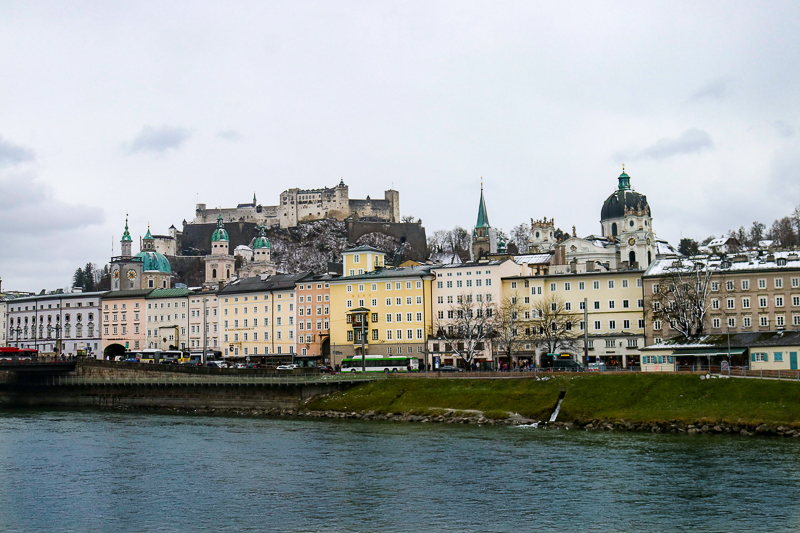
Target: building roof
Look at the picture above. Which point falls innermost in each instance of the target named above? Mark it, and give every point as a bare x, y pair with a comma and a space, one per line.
738, 263
623, 198
56, 296
169, 293
153, 261
116, 295
388, 273
267, 283
363, 248
533, 259
470, 264
737, 340
446, 258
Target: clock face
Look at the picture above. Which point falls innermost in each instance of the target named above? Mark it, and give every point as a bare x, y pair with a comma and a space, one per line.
131, 274
631, 241
116, 274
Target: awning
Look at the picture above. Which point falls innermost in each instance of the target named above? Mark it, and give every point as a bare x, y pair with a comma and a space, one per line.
706, 352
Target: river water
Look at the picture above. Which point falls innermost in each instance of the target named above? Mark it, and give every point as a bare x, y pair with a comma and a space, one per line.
88, 471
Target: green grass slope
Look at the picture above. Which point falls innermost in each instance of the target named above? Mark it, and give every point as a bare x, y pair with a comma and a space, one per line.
634, 397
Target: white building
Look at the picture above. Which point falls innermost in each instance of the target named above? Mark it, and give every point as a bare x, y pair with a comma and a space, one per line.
204, 302
58, 322
167, 313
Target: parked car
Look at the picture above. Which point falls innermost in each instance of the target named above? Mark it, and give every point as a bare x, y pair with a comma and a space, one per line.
217, 364
169, 360
450, 368
240, 365
326, 369
192, 363
253, 365
130, 360
287, 367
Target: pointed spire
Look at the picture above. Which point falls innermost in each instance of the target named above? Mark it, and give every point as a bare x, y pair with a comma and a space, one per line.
126, 236
254, 198
483, 216
148, 235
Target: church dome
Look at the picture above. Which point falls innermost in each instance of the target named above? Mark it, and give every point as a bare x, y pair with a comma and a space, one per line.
623, 199
220, 234
261, 241
154, 261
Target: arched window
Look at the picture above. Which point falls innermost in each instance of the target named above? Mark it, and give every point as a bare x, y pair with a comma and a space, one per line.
649, 258
213, 273
614, 229
632, 257
228, 273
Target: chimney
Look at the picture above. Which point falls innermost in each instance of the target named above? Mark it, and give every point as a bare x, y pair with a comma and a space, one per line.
589, 266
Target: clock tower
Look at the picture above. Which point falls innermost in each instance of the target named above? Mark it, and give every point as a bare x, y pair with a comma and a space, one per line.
219, 264
126, 271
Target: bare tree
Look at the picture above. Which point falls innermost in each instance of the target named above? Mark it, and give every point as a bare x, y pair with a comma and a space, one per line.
556, 326
468, 326
521, 235
686, 293
514, 327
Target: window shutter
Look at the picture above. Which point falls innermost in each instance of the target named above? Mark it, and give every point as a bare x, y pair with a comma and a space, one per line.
753, 357
660, 359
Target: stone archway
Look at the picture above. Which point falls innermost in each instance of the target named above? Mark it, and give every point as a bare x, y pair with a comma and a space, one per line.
113, 350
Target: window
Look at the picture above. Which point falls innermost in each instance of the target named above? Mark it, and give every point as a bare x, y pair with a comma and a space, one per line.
779, 301
760, 357
656, 324
745, 303
567, 306
762, 301
729, 285
777, 356
596, 285
612, 324
745, 284
746, 322
731, 322
641, 323
626, 324
388, 317
611, 284
762, 284
611, 304
796, 320
795, 282
610, 343
567, 286
715, 323
780, 320
596, 324
581, 285
552, 287
778, 283
731, 303
764, 321
655, 288
597, 305
625, 304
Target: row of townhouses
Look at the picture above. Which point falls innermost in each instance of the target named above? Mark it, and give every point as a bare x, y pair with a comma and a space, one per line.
612, 298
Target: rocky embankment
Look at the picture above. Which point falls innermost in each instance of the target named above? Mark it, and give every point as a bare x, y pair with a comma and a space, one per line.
476, 417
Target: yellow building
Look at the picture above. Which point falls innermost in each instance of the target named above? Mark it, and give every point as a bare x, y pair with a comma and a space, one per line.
397, 302
258, 317
615, 310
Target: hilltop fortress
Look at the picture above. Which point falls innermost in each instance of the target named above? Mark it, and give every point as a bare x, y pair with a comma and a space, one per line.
301, 205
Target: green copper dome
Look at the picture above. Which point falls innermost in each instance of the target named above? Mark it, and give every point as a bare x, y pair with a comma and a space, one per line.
261, 240
154, 261
219, 234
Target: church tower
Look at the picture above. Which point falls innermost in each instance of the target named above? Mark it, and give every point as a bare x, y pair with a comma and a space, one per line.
220, 264
481, 239
626, 219
262, 258
126, 242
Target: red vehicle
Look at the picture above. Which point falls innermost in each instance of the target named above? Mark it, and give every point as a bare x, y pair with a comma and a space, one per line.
18, 354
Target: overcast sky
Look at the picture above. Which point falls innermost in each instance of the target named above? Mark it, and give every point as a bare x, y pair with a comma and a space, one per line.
150, 107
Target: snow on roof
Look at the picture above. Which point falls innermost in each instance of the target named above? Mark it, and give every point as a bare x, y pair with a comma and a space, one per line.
742, 262
533, 259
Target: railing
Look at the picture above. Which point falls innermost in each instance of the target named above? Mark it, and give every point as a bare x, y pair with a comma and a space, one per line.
171, 380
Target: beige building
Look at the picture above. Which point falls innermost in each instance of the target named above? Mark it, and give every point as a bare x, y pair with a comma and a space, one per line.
258, 317
613, 305
748, 293
167, 319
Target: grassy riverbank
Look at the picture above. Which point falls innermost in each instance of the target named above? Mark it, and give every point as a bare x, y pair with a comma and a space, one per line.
632, 397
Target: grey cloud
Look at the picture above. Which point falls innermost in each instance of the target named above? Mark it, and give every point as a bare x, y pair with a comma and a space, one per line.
230, 135
783, 128
714, 90
12, 154
690, 141
158, 139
